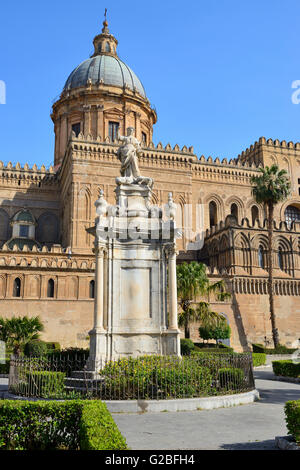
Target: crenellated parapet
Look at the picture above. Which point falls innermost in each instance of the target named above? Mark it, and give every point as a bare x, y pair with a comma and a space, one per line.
253, 154
26, 174
257, 224
234, 248
52, 258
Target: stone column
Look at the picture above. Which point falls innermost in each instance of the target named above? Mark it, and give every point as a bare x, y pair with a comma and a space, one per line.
99, 294
173, 319
100, 129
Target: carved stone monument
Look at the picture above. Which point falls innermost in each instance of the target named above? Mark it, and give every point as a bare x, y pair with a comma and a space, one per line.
136, 294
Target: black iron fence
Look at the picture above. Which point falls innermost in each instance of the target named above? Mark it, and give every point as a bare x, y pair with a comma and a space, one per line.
147, 377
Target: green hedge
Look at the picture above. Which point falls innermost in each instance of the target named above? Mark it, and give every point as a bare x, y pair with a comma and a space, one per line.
259, 359
214, 350
186, 346
150, 377
70, 425
292, 418
259, 348
207, 346
286, 368
231, 378
4, 368
36, 348
41, 384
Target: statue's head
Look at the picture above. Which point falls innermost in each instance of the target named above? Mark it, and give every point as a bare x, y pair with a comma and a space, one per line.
130, 131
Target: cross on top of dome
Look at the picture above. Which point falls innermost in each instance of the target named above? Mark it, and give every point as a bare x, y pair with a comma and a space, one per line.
105, 43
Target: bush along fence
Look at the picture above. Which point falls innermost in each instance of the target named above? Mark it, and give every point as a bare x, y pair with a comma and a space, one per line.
286, 368
67, 425
147, 377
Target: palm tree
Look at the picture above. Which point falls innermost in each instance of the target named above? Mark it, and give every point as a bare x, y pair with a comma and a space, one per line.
20, 331
192, 281
270, 187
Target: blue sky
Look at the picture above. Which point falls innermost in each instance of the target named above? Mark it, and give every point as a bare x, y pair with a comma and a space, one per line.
218, 72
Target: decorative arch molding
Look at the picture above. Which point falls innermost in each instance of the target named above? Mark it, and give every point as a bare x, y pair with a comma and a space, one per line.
238, 201
84, 204
219, 203
259, 239
48, 228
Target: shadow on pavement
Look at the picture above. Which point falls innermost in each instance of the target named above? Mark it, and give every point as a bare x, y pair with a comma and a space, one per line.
261, 445
279, 396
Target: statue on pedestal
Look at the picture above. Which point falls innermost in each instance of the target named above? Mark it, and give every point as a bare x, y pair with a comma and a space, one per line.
128, 154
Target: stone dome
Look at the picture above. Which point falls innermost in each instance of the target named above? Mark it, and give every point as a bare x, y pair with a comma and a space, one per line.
106, 69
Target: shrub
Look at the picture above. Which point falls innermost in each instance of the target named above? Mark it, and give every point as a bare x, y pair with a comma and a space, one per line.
71, 425
70, 353
208, 346
231, 378
259, 348
186, 346
44, 384
155, 377
53, 346
4, 368
292, 418
36, 348
286, 368
258, 359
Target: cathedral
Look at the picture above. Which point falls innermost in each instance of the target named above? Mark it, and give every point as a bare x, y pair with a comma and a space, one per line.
46, 257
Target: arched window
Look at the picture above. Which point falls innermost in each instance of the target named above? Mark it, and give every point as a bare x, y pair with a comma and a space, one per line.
234, 211
17, 287
50, 288
92, 289
107, 47
212, 214
292, 214
261, 258
254, 214
280, 258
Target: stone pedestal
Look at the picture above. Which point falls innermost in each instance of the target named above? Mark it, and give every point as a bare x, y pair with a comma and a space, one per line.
136, 295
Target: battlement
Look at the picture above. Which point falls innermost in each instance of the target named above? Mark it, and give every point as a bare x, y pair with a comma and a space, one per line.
231, 222
270, 143
27, 173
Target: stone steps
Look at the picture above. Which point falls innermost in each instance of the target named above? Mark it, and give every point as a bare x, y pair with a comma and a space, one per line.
82, 374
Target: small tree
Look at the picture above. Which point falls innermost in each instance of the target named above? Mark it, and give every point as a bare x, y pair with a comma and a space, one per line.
18, 331
192, 281
218, 331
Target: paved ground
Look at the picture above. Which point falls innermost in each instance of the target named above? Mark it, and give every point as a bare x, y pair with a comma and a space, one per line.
242, 427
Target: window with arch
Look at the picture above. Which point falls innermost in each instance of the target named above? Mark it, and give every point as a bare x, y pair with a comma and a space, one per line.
254, 214
92, 289
292, 214
17, 287
280, 258
50, 288
261, 257
212, 214
234, 210
107, 47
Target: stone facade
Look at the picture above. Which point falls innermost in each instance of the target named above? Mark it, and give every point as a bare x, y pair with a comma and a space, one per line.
48, 269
